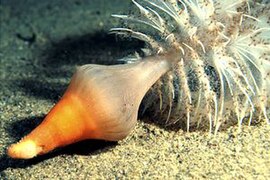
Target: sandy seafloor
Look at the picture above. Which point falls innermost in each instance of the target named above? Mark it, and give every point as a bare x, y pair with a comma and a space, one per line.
41, 44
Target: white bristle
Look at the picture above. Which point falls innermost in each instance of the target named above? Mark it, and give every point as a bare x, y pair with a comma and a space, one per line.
224, 50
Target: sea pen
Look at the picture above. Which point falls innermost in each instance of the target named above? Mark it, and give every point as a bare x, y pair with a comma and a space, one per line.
216, 59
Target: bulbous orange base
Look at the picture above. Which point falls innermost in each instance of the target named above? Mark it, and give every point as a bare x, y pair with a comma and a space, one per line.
101, 102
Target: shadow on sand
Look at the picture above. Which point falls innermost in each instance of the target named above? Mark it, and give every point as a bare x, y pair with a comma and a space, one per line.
59, 59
